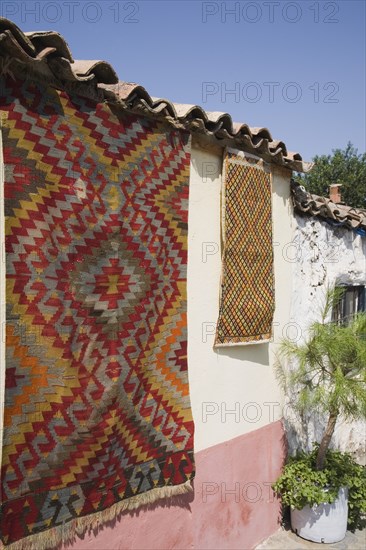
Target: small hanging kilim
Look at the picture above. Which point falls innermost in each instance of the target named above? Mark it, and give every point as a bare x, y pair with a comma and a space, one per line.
97, 410
247, 285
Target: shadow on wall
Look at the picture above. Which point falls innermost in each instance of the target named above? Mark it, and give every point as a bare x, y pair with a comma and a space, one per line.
254, 353
282, 187
209, 165
181, 501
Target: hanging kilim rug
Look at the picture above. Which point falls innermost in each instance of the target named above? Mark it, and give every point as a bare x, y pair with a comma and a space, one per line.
97, 411
247, 286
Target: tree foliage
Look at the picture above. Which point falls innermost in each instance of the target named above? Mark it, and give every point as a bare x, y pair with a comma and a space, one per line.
345, 166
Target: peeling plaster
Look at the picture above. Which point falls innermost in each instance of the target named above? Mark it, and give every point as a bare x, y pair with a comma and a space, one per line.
326, 255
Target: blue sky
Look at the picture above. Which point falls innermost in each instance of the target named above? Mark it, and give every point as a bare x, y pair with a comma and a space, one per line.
297, 68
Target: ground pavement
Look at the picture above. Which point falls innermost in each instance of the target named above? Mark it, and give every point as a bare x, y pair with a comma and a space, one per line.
285, 539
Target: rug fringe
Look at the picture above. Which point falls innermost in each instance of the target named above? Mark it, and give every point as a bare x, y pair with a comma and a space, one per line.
65, 534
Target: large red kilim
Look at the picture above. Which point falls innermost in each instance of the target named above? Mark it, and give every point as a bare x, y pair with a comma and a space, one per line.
97, 411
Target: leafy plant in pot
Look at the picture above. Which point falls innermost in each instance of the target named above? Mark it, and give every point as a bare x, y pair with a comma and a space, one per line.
327, 377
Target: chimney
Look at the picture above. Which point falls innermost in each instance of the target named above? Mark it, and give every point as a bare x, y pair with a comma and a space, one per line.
335, 192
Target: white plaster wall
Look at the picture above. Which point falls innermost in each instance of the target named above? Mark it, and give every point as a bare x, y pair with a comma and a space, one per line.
325, 255
238, 379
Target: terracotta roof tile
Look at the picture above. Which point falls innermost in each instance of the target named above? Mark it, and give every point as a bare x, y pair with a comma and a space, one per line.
48, 56
322, 207
43, 39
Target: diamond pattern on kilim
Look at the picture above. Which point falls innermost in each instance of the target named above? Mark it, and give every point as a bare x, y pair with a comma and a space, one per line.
247, 286
97, 407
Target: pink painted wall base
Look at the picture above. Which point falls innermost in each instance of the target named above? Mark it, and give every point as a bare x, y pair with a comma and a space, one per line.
233, 505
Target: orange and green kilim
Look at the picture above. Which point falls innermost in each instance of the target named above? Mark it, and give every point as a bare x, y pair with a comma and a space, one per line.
247, 285
97, 407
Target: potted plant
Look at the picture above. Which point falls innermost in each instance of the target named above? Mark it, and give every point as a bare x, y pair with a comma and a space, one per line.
328, 377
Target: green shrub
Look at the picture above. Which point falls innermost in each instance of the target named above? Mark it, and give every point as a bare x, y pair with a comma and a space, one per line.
301, 484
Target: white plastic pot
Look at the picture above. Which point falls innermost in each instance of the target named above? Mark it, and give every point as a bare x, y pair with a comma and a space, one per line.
323, 522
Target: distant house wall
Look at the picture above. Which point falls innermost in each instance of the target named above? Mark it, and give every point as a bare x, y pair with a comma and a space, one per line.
324, 255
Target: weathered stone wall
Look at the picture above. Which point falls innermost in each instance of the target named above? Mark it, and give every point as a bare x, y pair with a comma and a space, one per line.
323, 254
